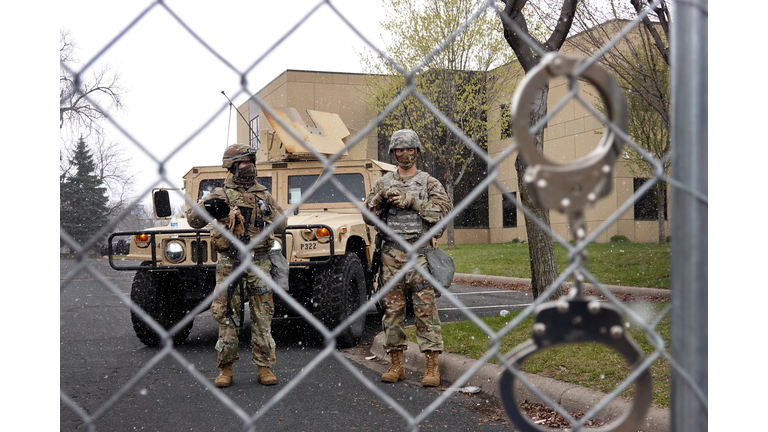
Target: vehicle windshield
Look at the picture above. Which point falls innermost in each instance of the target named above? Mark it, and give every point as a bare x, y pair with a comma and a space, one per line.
299, 185
207, 186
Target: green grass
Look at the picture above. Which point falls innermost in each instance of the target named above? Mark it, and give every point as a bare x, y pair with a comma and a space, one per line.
628, 264
589, 365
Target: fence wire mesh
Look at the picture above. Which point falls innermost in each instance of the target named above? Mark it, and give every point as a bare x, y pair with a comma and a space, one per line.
689, 197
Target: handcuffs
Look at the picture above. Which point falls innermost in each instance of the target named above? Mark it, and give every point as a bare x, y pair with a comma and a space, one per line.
572, 188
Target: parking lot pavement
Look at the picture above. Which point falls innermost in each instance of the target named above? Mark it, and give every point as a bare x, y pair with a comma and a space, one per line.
482, 301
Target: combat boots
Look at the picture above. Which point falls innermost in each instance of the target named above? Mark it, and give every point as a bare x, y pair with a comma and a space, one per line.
396, 371
431, 369
225, 376
266, 377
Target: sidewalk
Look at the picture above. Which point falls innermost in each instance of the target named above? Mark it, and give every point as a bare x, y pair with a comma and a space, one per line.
571, 396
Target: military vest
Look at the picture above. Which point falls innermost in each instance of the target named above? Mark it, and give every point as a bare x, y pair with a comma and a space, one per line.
247, 202
408, 222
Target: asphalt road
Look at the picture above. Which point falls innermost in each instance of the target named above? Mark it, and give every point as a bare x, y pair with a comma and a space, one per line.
109, 374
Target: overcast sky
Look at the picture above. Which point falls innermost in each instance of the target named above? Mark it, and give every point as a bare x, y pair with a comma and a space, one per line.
174, 83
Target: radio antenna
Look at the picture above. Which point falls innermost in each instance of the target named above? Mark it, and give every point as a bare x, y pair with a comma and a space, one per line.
247, 123
229, 124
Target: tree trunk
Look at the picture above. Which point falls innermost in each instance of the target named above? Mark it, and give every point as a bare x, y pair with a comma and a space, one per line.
661, 210
450, 232
450, 235
540, 245
541, 248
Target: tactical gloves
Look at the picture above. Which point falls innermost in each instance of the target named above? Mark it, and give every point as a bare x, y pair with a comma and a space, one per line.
379, 198
217, 208
402, 199
396, 197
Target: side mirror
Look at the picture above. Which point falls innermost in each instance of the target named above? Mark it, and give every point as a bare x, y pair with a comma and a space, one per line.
162, 203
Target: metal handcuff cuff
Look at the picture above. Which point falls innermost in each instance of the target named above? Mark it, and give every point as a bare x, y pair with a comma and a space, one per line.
572, 188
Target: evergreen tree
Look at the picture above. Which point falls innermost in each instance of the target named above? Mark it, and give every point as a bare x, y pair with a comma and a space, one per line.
83, 205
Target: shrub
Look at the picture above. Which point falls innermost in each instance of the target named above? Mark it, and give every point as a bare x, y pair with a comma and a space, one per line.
619, 239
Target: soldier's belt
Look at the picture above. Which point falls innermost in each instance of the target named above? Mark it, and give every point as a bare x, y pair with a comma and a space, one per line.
420, 251
398, 246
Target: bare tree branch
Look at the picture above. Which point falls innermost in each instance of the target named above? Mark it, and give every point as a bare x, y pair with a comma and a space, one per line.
639, 65
113, 167
557, 34
664, 17
85, 99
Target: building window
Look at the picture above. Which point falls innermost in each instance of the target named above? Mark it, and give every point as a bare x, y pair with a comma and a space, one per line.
255, 132
509, 211
475, 215
646, 206
298, 186
506, 122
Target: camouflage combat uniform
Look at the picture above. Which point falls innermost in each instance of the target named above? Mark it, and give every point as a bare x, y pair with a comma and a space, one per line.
258, 292
431, 205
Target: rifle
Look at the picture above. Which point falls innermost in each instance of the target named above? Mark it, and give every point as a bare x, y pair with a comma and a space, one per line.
239, 283
379, 241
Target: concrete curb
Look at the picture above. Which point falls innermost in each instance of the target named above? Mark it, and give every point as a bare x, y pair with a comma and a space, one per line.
616, 289
571, 396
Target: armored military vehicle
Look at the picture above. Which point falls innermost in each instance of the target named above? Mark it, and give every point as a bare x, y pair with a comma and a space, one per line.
327, 244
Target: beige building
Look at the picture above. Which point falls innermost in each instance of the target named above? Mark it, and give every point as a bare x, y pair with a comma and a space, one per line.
571, 134
340, 93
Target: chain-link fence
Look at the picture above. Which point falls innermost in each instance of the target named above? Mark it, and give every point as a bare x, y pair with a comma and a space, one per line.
688, 352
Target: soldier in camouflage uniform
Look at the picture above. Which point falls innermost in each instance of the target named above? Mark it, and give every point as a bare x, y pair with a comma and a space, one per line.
414, 201
245, 207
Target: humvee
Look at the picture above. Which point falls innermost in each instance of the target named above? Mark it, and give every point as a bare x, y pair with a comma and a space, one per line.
327, 244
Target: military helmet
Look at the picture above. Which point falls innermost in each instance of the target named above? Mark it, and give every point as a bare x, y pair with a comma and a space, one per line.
238, 153
405, 139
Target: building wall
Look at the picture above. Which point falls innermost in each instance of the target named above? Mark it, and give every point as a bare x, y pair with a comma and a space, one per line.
340, 93
469, 236
571, 134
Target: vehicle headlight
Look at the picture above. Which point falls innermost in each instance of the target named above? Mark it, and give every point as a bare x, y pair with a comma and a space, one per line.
142, 240
174, 251
308, 235
323, 235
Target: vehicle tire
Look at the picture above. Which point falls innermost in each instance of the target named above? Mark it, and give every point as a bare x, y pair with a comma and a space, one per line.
339, 290
160, 295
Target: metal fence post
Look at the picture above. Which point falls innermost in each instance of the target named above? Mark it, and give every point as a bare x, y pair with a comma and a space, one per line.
689, 247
